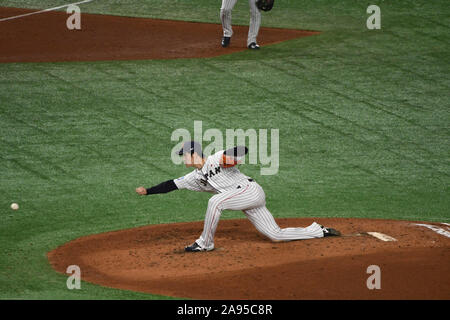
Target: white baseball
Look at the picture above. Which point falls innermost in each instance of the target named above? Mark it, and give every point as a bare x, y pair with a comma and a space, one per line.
15, 206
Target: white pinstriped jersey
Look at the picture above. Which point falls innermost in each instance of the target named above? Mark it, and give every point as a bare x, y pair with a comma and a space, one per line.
255, 19
234, 191
212, 177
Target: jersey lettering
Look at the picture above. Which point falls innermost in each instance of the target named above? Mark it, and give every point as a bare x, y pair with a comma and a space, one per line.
212, 173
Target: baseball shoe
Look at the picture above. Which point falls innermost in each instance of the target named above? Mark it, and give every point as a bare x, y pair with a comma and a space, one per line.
225, 41
195, 248
330, 232
253, 46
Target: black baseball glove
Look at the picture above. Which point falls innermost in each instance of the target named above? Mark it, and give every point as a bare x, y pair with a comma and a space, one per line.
264, 5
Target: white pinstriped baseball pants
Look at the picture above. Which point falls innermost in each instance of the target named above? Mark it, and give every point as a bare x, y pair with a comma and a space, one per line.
251, 199
255, 19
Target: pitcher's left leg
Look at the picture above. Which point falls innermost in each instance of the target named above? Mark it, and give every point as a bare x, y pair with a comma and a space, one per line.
247, 196
225, 16
255, 22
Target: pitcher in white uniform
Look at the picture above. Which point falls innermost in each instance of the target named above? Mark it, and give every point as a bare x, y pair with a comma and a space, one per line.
233, 190
255, 23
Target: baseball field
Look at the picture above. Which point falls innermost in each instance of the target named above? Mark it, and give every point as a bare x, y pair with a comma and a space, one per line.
86, 116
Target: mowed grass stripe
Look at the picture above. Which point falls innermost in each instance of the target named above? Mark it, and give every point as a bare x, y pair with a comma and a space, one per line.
21, 165
107, 101
131, 83
347, 88
321, 123
318, 80
114, 105
45, 161
370, 103
398, 61
163, 109
134, 85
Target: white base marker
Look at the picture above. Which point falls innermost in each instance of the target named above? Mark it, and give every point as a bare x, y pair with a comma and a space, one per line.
440, 231
446, 224
381, 236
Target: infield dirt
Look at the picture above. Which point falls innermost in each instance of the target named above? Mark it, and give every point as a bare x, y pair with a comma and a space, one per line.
245, 265
44, 37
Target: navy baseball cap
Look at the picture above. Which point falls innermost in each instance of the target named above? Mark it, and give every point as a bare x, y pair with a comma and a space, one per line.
191, 147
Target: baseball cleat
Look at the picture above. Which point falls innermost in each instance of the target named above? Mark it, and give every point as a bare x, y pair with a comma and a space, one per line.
253, 46
330, 232
195, 248
225, 41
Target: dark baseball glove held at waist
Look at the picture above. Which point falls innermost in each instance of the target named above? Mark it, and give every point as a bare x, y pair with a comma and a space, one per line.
264, 5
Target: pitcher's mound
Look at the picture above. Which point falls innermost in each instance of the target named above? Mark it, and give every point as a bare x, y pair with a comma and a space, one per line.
414, 262
44, 37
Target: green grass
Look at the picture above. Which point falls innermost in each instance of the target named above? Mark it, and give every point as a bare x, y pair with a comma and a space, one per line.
363, 118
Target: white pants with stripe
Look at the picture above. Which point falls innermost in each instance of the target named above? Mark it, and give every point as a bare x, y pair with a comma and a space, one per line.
255, 19
251, 199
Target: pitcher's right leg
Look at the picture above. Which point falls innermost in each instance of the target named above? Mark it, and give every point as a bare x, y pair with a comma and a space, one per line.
225, 16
